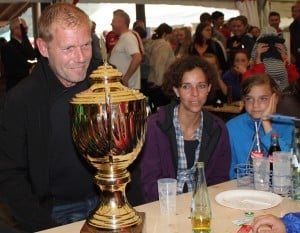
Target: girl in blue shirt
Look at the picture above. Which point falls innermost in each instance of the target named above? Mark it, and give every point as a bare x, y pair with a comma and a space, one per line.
260, 95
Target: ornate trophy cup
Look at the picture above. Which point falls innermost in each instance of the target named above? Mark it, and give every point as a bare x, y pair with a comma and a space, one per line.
108, 127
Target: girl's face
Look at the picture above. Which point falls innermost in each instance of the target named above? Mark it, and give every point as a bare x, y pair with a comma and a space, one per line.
241, 59
213, 61
258, 100
207, 33
193, 91
181, 36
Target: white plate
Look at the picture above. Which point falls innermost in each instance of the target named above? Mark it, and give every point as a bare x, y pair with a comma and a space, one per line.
248, 199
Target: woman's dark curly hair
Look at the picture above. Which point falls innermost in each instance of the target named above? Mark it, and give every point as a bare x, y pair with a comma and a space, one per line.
173, 75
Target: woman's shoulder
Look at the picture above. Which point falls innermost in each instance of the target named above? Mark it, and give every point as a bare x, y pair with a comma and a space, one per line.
213, 120
238, 121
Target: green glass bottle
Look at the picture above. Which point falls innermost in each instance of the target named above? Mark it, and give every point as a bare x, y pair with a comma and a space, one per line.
201, 210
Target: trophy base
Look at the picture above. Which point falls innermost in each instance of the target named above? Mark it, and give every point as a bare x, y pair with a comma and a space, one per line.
133, 229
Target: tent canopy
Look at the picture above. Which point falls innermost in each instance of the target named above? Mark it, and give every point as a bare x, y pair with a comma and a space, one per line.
14, 8
10, 11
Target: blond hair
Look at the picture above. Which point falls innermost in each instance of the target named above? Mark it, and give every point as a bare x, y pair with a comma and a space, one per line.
63, 14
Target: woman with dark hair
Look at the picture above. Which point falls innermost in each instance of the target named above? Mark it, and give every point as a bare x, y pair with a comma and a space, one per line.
160, 56
182, 133
184, 40
240, 39
203, 43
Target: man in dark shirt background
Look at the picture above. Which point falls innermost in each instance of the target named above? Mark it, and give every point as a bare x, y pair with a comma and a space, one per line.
295, 35
16, 53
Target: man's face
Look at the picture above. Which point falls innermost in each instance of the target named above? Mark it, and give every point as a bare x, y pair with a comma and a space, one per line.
219, 21
296, 12
117, 24
69, 53
17, 33
274, 21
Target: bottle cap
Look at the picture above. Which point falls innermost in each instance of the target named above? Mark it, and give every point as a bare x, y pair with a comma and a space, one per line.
275, 135
249, 214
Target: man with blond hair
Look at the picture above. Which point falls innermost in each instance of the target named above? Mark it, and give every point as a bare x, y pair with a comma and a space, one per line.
127, 54
44, 182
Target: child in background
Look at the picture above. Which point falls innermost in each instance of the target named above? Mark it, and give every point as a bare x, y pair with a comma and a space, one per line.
233, 76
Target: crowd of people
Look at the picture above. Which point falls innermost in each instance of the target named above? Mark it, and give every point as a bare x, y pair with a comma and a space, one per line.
179, 71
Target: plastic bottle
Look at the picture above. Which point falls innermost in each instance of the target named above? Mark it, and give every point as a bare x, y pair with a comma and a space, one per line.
201, 210
257, 150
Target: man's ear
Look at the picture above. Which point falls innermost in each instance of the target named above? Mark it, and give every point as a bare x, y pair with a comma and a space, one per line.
42, 46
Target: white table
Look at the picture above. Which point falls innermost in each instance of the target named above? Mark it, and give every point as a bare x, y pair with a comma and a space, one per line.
222, 217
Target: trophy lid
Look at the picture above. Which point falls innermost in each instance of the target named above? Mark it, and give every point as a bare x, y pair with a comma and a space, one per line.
106, 88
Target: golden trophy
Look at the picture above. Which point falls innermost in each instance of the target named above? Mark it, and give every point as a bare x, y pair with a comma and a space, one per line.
108, 127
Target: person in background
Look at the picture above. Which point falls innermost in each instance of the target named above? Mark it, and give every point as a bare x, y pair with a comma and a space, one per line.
218, 90
274, 21
44, 181
217, 22
139, 23
260, 95
184, 40
227, 29
203, 42
240, 39
205, 18
269, 55
295, 35
289, 223
255, 32
182, 133
16, 53
144, 67
3, 42
160, 56
127, 54
289, 103
96, 52
111, 40
233, 76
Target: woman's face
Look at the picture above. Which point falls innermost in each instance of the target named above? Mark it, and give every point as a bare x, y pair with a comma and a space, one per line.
193, 91
241, 59
238, 28
207, 33
258, 100
181, 36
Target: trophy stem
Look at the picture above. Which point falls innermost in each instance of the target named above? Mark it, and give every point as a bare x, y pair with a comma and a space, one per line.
114, 212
